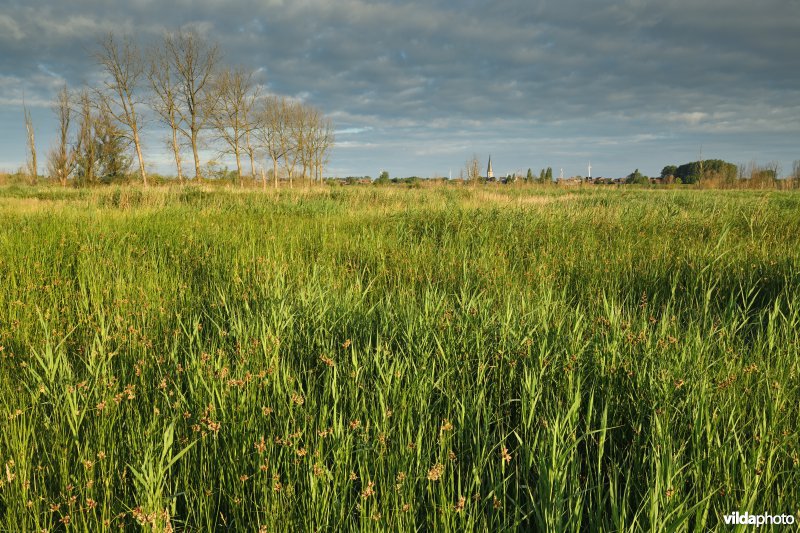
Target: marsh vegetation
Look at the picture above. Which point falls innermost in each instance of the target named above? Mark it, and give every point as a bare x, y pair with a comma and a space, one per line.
382, 358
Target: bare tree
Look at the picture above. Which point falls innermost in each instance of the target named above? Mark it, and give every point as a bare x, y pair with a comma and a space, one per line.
793, 180
293, 134
250, 120
773, 168
268, 124
701, 167
194, 62
31, 163
165, 102
288, 138
85, 151
324, 142
249, 145
313, 138
301, 126
473, 169
125, 67
231, 118
61, 158
320, 141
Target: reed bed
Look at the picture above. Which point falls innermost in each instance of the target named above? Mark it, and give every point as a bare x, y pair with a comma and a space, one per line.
365, 358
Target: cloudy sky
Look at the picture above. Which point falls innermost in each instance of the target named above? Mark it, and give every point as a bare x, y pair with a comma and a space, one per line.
418, 87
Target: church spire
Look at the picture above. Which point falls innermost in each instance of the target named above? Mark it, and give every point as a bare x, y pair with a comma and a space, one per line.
489, 171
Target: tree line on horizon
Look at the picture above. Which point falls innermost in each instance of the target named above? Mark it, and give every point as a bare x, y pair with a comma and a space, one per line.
200, 101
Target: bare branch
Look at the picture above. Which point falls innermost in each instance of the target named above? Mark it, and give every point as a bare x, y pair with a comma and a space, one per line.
230, 118
194, 62
60, 159
163, 82
125, 69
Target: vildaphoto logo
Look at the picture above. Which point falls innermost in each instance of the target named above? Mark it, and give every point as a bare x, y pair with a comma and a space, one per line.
758, 520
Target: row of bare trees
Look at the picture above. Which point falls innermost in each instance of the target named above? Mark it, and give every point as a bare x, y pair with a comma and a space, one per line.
198, 100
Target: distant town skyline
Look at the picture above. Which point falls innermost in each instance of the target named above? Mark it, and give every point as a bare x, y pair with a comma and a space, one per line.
419, 87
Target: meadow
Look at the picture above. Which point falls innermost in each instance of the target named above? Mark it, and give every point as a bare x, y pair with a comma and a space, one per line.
368, 358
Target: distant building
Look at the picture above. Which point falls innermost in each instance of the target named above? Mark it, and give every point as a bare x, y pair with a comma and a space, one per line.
569, 182
489, 171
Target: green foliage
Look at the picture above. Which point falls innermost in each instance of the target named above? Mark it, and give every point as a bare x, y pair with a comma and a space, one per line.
637, 178
411, 181
694, 172
669, 170
113, 159
214, 170
383, 179
361, 358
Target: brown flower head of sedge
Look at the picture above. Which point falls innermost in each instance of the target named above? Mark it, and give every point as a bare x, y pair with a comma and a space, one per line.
436, 471
260, 446
506, 457
369, 490
459, 506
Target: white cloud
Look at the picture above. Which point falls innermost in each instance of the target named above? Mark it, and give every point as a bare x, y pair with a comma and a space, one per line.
9, 29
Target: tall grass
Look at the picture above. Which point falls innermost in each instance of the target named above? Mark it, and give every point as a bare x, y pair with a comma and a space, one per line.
362, 359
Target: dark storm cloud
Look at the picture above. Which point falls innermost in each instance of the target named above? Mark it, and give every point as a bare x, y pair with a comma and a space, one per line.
422, 85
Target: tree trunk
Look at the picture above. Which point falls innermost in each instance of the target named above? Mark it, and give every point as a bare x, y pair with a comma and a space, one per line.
238, 166
250, 153
196, 156
177, 150
134, 125
138, 147
33, 165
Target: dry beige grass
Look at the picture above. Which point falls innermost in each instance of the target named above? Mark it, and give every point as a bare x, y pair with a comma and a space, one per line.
483, 197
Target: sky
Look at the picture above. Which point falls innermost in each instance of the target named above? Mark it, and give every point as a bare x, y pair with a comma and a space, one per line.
419, 87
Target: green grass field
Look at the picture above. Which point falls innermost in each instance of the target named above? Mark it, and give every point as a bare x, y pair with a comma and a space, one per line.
365, 358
